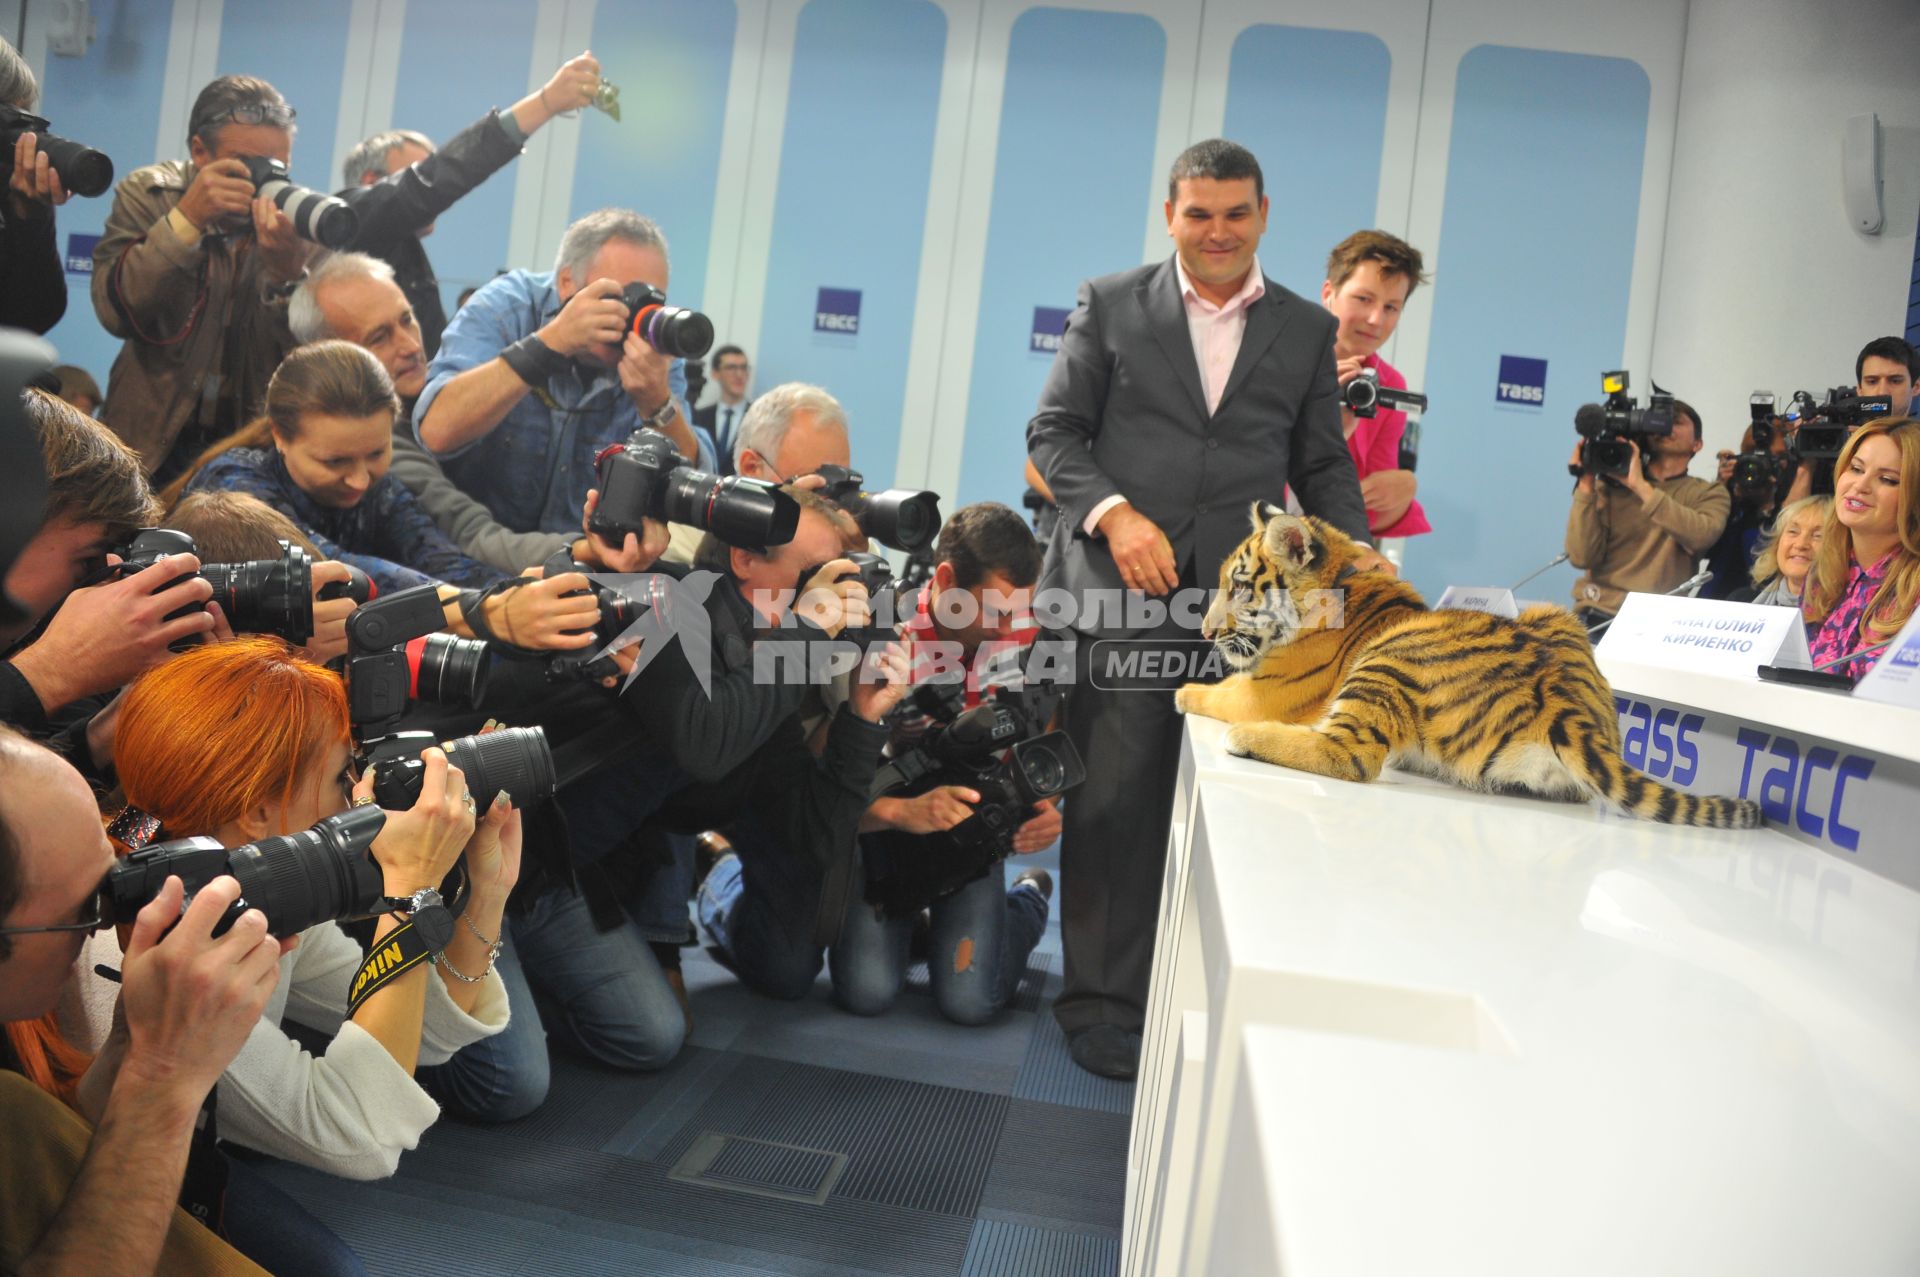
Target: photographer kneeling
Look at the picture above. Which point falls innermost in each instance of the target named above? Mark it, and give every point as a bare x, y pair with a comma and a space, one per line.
243, 741
1644, 530
971, 620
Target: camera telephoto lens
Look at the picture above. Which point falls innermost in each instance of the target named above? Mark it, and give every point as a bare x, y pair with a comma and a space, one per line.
448, 670
327, 220
82, 170
739, 511
267, 596
685, 334
513, 760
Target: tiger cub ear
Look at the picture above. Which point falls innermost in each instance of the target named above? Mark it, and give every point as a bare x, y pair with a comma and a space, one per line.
1288, 539
1260, 511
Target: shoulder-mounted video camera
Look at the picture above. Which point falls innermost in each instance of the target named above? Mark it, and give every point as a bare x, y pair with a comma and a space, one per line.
1615, 428
1825, 425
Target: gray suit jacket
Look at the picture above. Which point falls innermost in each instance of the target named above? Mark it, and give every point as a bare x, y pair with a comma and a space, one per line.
1123, 412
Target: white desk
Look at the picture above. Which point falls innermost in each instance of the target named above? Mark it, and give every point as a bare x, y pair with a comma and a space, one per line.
1403, 1028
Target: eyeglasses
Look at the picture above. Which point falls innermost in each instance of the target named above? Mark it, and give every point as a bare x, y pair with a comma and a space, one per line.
251, 113
93, 918
739, 367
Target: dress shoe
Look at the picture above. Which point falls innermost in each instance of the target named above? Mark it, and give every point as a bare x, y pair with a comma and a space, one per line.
1042, 882
1106, 1050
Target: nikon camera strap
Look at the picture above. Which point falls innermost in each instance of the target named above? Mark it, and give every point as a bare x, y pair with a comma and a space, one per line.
389, 957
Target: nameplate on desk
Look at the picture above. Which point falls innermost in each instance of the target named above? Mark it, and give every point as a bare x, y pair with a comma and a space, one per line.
1895, 677
1711, 636
1479, 598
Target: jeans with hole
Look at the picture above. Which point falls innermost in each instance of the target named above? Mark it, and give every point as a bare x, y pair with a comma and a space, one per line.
980, 938
758, 907
603, 992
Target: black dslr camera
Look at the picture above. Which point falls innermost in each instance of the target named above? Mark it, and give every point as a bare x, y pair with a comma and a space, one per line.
1759, 473
1000, 749
884, 593
1615, 429
264, 596
646, 478
326, 873
1364, 396
82, 170
618, 611
1824, 427
325, 219
904, 518
395, 657
686, 334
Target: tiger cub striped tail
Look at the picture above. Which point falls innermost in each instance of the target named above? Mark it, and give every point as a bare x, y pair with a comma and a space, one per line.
1635, 793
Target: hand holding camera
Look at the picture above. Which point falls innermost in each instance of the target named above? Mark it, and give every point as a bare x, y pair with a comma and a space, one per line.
104, 636
191, 998
882, 681
1039, 833
937, 810
629, 551
417, 847
643, 374
220, 193
34, 185
552, 614
834, 598
283, 254
593, 318
337, 591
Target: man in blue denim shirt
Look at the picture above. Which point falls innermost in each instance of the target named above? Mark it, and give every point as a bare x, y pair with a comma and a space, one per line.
538, 373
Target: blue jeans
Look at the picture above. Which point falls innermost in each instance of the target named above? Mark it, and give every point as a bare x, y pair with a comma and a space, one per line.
603, 991
758, 907
277, 1233
981, 936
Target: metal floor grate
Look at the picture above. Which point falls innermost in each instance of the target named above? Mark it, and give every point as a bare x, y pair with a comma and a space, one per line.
761, 1167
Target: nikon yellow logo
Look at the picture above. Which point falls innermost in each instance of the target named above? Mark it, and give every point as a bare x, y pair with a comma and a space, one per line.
376, 965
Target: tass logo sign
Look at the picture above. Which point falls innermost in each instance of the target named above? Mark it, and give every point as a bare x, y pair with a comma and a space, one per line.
1523, 381
80, 254
1805, 784
837, 311
1049, 324
1660, 743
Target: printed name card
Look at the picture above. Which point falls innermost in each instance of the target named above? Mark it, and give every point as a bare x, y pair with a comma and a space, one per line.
1480, 598
1711, 636
1895, 677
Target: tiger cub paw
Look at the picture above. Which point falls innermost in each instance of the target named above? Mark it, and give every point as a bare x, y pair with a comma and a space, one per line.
1243, 740
1187, 699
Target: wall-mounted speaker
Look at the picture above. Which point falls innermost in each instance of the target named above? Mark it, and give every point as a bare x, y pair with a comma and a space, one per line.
1860, 172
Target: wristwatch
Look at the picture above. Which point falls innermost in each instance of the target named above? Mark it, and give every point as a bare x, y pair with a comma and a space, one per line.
431, 919
659, 419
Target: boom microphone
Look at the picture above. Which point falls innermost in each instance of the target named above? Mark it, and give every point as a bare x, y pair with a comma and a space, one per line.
1590, 420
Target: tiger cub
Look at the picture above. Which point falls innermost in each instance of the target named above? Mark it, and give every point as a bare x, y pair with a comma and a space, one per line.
1510, 706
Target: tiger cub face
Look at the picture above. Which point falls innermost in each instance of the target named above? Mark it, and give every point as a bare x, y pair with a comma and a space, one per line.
1277, 585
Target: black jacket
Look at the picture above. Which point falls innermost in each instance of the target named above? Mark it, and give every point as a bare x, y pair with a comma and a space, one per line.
393, 210
33, 280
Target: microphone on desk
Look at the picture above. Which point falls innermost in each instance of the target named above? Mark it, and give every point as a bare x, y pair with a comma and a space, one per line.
1687, 587
1554, 562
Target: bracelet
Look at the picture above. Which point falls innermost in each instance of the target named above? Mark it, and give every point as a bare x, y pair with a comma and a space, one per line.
543, 101
491, 944
440, 960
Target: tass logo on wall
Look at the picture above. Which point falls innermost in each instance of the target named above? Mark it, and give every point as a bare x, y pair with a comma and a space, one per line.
837, 311
1049, 325
80, 254
1523, 381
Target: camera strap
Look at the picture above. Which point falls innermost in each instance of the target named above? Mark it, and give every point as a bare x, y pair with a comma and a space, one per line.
389, 957
474, 611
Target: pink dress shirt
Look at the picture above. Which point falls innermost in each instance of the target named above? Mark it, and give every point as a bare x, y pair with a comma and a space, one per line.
1375, 445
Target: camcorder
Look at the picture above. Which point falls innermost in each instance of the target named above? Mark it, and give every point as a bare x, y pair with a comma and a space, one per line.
1364, 396
1759, 473
618, 611
1613, 430
647, 478
905, 518
671, 330
1002, 750
1824, 426
82, 170
263, 596
395, 656
327, 873
325, 219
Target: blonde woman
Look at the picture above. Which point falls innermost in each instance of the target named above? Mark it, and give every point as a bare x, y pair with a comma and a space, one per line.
1787, 553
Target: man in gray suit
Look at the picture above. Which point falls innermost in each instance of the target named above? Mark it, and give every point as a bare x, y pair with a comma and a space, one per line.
1181, 393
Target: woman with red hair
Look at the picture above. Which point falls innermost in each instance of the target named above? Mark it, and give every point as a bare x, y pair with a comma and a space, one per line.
242, 741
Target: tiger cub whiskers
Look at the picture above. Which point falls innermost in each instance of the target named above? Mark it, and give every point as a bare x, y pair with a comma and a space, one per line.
1340, 672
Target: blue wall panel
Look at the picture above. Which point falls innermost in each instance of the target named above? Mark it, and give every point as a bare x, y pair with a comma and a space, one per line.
1312, 107
1536, 258
866, 85
457, 58
109, 98
300, 47
671, 59
1074, 165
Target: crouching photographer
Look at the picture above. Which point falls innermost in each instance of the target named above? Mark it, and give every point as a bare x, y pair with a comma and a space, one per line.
938, 836
1639, 521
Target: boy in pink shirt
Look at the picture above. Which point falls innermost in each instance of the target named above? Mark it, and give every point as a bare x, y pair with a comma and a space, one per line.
1370, 275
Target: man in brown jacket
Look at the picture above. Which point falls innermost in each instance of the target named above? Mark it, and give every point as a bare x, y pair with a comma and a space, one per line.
193, 272
1647, 531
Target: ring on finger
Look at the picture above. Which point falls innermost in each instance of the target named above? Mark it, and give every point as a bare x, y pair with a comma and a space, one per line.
472, 807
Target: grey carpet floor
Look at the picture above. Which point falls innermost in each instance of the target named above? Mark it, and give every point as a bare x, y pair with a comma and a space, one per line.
787, 1138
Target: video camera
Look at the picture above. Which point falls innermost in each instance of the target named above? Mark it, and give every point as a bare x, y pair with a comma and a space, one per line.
263, 596
1002, 750
395, 656
671, 330
1614, 429
905, 518
1759, 473
1824, 427
646, 478
82, 170
326, 873
325, 219
1364, 396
